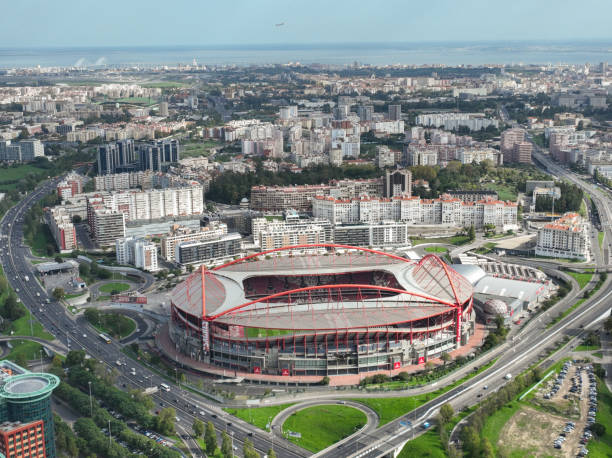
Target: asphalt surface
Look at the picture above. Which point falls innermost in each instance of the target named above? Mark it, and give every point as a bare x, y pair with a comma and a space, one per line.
79, 335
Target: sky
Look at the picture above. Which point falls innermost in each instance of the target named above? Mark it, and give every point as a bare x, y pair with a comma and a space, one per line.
67, 23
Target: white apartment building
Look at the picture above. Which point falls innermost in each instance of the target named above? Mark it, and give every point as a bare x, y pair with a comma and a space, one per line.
119, 181
446, 211
452, 121
422, 157
138, 252
471, 155
180, 234
276, 233
566, 237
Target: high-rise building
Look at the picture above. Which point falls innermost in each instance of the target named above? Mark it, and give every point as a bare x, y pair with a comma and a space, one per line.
70, 186
159, 155
22, 151
521, 152
138, 252
365, 112
163, 109
25, 397
106, 225
510, 138
116, 157
397, 183
207, 251
395, 112
61, 227
181, 234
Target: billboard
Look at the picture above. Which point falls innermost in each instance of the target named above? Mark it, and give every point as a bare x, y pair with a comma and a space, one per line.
205, 337
285, 372
256, 370
397, 365
421, 360
130, 299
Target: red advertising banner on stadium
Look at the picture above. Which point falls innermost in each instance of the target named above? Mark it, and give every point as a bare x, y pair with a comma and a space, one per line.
256, 370
421, 360
397, 365
285, 372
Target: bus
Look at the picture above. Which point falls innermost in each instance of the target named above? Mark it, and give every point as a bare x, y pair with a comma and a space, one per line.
105, 338
164, 387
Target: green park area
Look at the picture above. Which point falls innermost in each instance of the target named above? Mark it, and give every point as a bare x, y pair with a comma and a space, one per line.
113, 324
600, 238
164, 84
436, 249
504, 191
114, 288
198, 149
453, 240
10, 176
258, 416
583, 278
322, 426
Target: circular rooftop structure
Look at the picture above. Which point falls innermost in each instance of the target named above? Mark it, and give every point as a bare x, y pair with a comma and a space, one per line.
27, 386
495, 307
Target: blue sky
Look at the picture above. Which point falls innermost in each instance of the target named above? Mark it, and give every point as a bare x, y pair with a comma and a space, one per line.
32, 23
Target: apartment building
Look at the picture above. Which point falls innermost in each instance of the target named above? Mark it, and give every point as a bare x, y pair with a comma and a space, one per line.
292, 230
70, 186
21, 151
105, 224
209, 251
566, 237
19, 439
413, 210
452, 121
514, 148
139, 252
181, 234
62, 229
421, 156
471, 155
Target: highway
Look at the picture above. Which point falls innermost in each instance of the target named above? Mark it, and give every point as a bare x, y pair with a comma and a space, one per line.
54, 317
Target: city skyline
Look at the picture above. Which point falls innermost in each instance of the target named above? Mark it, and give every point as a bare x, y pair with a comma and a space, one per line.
271, 22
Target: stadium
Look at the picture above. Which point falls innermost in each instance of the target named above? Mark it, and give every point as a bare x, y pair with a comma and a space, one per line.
321, 309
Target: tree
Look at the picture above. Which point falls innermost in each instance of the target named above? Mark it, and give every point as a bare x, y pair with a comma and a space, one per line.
58, 293
210, 438
271, 453
324, 380
198, 427
472, 233
445, 357
487, 448
598, 429
446, 413
248, 449
471, 440
84, 269
165, 421
59, 259
226, 446
429, 365
76, 219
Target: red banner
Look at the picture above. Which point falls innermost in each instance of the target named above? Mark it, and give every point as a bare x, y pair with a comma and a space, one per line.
285, 372
421, 360
256, 370
397, 365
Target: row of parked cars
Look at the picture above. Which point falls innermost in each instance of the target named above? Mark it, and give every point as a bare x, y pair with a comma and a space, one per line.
587, 434
559, 380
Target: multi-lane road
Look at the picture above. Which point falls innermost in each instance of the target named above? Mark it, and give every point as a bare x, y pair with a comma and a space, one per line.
79, 335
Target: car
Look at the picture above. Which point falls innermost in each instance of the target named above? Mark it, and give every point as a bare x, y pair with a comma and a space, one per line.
229, 423
202, 413
486, 387
84, 336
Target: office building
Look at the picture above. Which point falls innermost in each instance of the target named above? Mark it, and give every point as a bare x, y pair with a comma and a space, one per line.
61, 227
395, 112
209, 251
158, 155
397, 183
116, 157
25, 397
21, 151
566, 237
180, 234
138, 252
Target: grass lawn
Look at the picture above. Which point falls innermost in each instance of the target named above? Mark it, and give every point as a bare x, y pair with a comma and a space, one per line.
603, 445
494, 424
322, 426
583, 278
24, 349
116, 286
164, 84
436, 249
42, 239
505, 192
598, 354
21, 327
138, 100
426, 445
258, 416
587, 347
454, 240
258, 332
111, 332
388, 409
197, 149
72, 296
600, 238
9, 176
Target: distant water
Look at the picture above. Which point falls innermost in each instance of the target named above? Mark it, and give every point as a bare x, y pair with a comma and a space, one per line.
334, 54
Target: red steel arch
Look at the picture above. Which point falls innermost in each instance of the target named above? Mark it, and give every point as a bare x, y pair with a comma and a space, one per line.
313, 245
338, 286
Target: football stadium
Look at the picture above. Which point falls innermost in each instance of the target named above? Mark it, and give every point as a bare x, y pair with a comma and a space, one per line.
321, 310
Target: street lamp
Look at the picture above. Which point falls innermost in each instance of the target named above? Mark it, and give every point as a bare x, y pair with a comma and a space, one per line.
41, 359
90, 401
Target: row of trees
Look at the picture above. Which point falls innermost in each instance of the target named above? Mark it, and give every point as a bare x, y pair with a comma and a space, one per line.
570, 200
89, 440
226, 451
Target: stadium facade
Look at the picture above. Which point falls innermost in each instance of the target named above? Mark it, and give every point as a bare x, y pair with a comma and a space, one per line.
321, 309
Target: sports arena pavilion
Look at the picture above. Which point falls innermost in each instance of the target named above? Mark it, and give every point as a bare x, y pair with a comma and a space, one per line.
331, 310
